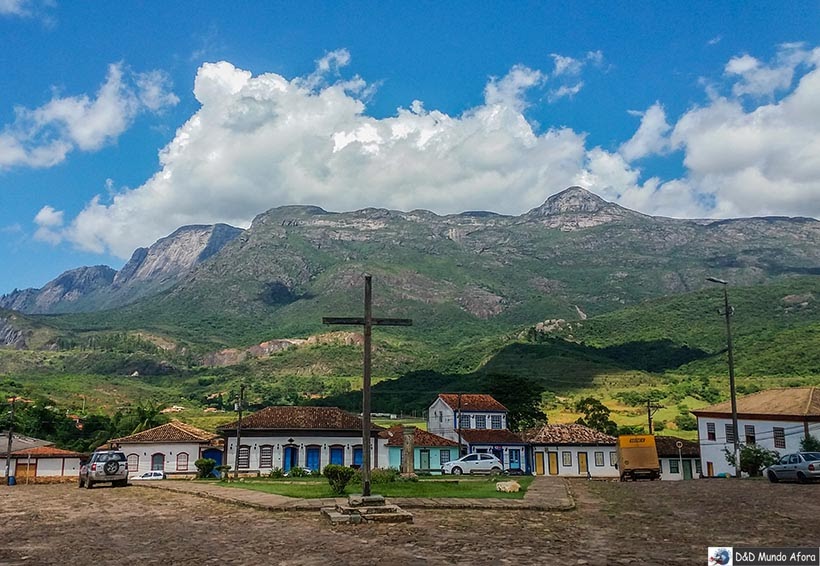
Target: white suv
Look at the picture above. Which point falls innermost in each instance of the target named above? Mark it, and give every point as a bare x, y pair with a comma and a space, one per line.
473, 463
105, 466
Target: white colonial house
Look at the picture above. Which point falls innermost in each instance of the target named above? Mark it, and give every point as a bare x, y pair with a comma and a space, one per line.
172, 448
679, 458
478, 422
573, 450
38, 461
307, 437
454, 412
776, 419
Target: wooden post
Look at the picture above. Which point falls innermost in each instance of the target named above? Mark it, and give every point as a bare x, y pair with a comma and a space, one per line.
367, 322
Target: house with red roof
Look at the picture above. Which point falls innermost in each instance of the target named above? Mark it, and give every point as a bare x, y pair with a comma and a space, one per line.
38, 461
573, 450
478, 422
307, 437
430, 451
171, 448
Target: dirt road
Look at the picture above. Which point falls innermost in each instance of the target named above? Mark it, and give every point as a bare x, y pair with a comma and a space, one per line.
648, 523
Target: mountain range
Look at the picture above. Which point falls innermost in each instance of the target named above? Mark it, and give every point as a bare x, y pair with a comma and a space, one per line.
458, 276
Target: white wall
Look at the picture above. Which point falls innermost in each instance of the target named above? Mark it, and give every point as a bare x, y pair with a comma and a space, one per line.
666, 468
605, 471
712, 450
3, 467
324, 442
45, 466
169, 450
441, 420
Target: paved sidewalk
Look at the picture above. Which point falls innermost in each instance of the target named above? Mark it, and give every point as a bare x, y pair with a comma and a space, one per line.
544, 494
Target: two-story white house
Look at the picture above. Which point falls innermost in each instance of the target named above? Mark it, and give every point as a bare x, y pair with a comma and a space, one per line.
478, 422
776, 419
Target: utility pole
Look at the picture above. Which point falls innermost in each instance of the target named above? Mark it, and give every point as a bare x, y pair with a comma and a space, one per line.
650, 412
8, 448
727, 312
238, 430
458, 426
367, 322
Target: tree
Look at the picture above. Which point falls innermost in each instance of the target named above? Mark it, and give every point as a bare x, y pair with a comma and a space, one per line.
521, 396
686, 422
596, 416
204, 467
810, 444
753, 458
338, 477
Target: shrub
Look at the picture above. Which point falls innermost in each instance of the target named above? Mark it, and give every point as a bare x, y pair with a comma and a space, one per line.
276, 473
223, 471
658, 426
204, 467
810, 444
378, 475
753, 458
298, 473
686, 422
338, 477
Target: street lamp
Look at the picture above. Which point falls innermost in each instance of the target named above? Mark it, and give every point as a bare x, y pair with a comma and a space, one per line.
727, 312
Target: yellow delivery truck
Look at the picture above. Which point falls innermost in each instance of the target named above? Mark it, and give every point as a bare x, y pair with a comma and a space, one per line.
638, 457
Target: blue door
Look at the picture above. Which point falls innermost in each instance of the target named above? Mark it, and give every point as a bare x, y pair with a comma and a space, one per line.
216, 456
357, 456
312, 458
290, 458
337, 455
515, 459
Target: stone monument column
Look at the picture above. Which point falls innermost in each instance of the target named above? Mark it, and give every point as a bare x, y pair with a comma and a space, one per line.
408, 449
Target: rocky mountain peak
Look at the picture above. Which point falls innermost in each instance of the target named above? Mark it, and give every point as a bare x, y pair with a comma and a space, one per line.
575, 208
572, 200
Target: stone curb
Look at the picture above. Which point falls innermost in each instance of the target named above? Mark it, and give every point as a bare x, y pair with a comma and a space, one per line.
303, 505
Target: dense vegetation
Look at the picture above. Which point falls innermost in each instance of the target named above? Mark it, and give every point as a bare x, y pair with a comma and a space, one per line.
670, 351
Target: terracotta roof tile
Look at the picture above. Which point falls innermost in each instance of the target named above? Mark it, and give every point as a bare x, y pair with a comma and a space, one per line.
48, 451
666, 447
472, 402
395, 437
490, 436
793, 401
295, 418
174, 431
568, 434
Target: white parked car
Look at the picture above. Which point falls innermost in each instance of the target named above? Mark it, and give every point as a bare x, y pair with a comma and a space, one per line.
156, 475
473, 463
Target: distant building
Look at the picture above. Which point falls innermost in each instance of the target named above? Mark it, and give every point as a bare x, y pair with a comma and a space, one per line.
478, 422
573, 450
172, 448
678, 462
307, 437
430, 451
38, 461
776, 419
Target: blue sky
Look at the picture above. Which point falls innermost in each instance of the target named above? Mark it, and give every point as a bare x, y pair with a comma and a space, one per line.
120, 122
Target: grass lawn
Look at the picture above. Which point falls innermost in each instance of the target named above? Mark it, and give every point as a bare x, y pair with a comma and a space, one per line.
313, 488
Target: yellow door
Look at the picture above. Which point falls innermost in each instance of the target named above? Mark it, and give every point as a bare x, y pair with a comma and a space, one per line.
553, 463
710, 469
24, 470
582, 463
539, 463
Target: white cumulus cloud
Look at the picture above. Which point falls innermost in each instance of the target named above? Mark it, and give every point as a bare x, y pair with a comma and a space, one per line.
43, 137
262, 141
651, 136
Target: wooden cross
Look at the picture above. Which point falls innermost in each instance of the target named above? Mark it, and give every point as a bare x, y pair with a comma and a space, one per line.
368, 322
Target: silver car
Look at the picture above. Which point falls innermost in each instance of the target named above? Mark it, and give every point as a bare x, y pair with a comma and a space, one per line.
105, 466
473, 463
800, 467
